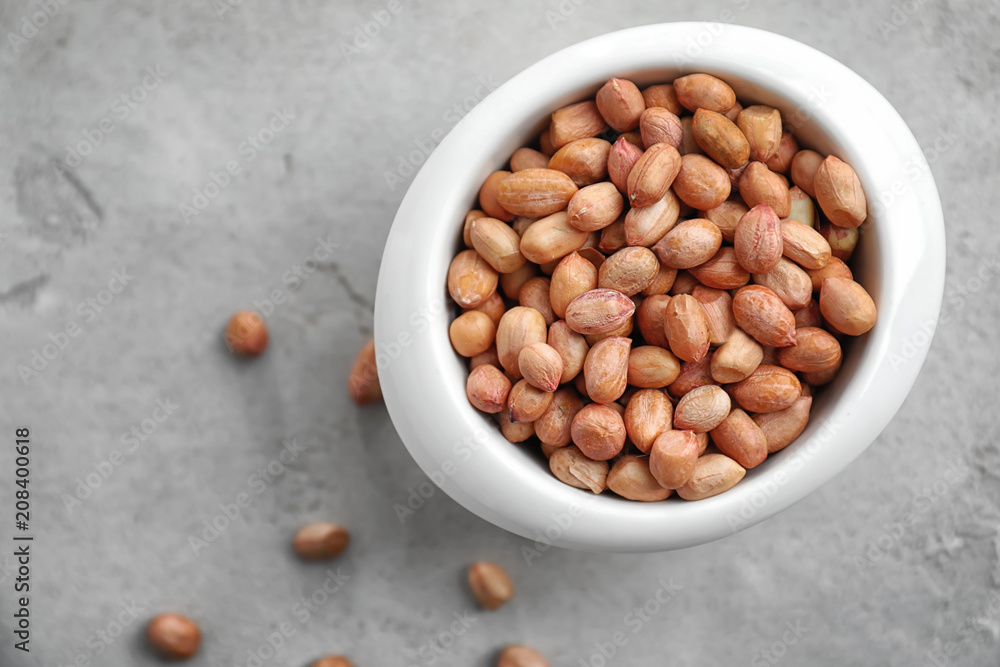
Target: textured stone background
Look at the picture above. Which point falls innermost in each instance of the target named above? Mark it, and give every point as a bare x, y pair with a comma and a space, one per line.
859, 590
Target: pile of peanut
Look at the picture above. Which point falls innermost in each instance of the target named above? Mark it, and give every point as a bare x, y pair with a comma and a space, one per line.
646, 295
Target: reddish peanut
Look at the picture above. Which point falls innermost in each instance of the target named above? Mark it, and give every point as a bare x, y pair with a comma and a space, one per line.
573, 276
803, 170
662, 95
672, 458
804, 245
595, 207
621, 160
606, 369
472, 333
599, 311
704, 91
781, 161
648, 414
737, 358
760, 313
839, 193
835, 268
363, 384
487, 388
815, 350
738, 437
701, 183
521, 656
535, 293
652, 367
761, 186
846, 306
528, 158
689, 244
782, 427
471, 280
768, 389
526, 403
650, 317
321, 541
572, 348
518, 328
693, 374
718, 307
490, 585
758, 241
726, 216
653, 175
645, 226
585, 161
629, 271
787, 280
686, 328
723, 271
598, 431
630, 478
660, 126
576, 121
553, 427
620, 103
174, 636
541, 366
489, 200
535, 193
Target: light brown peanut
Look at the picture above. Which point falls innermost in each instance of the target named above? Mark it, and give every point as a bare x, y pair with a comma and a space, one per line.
647, 225
761, 125
620, 103
686, 328
662, 283
541, 366
321, 541
493, 307
808, 316
571, 466
672, 458
621, 160
612, 237
713, 474
599, 311
701, 183
704, 91
631, 478
595, 207
472, 333
720, 139
551, 238
487, 388
804, 245
534, 293
598, 431
573, 276
693, 374
761, 186
782, 427
536, 193
690, 243
528, 158
760, 313
648, 414
801, 208
650, 317
553, 427
572, 348
470, 217
726, 216
630, 270
576, 121
815, 350
839, 193
723, 271
526, 403
768, 389
652, 367
511, 283
606, 369
653, 175
660, 126
684, 283
737, 358
518, 328
846, 306
718, 307
498, 244
803, 170
490, 356
521, 656
757, 242
362, 383
781, 161
702, 409
662, 95
585, 161
174, 636
790, 282
490, 585
471, 280
489, 200
739, 438
835, 268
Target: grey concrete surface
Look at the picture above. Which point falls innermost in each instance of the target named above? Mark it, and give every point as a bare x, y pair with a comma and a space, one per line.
893, 563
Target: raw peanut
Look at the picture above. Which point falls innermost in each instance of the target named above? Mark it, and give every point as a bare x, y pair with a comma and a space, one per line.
623, 330
789, 282
521, 656
511, 283
551, 238
834, 269
535, 193
694, 374
761, 125
490, 584
174, 636
631, 478
647, 225
662, 283
321, 541
737, 358
487, 388
760, 313
576, 121
528, 158
684, 283
808, 316
635, 138
758, 241
660, 126
662, 95
493, 307
585, 161
606, 369
470, 217
621, 159
612, 237
246, 334
723, 271
541, 365
515, 432
782, 427
651, 319
720, 139
490, 356
726, 216
472, 333
690, 243
689, 145
648, 414
803, 170
620, 103
572, 348
702, 442
734, 112
802, 208
362, 384
548, 267
672, 458
534, 293
489, 200
781, 161
713, 474
841, 240
820, 378
553, 427
599, 311
768, 389
593, 255
518, 328
652, 367
704, 91
595, 207
702, 409
545, 141
630, 270
718, 307
701, 183
686, 328
598, 431
739, 438
573, 276
846, 306
761, 186
571, 466
526, 403
471, 280
580, 383
652, 175
839, 193
804, 245
498, 244
333, 661
521, 224
815, 350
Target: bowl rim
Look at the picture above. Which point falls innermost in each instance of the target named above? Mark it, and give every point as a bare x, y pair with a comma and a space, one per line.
474, 464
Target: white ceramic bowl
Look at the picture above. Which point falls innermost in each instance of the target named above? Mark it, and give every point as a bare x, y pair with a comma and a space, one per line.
900, 260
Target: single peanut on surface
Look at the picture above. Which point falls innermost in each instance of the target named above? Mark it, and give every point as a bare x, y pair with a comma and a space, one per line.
490, 584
